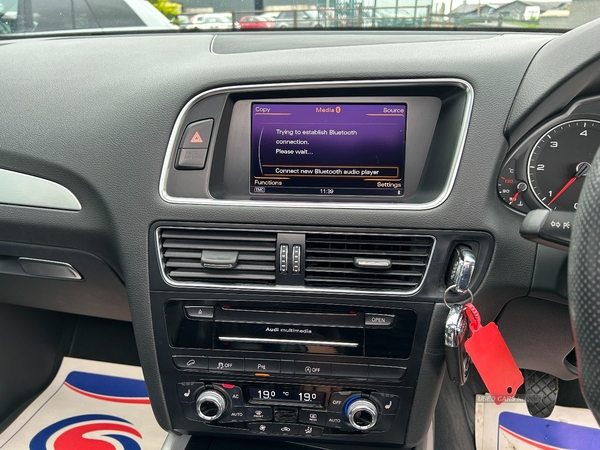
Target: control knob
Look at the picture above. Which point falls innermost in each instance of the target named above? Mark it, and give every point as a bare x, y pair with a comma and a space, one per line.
361, 413
210, 405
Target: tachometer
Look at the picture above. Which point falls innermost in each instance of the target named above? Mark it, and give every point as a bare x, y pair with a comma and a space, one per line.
560, 160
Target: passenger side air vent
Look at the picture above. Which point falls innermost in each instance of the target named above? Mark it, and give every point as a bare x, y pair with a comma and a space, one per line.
367, 261
192, 255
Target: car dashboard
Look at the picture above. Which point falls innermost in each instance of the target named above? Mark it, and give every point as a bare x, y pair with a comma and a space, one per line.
278, 215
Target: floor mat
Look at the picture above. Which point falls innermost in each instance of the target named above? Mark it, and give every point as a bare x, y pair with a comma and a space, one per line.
89, 405
510, 427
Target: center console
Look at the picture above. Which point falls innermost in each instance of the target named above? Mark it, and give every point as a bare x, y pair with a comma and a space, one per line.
294, 369
282, 333
303, 332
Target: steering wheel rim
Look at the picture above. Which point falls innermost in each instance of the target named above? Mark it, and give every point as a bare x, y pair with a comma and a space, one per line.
584, 287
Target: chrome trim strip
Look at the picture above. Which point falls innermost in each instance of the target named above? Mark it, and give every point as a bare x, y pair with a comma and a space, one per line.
287, 341
75, 275
172, 146
175, 442
26, 190
297, 289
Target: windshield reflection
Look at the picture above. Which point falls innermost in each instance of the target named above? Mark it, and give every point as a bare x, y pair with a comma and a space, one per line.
18, 17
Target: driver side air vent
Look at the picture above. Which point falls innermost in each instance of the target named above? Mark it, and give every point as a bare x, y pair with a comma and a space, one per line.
367, 261
228, 257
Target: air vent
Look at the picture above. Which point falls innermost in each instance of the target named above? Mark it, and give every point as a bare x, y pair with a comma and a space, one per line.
218, 256
367, 261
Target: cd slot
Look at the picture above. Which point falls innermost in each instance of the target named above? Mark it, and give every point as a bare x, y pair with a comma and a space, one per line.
296, 338
287, 341
308, 318
300, 329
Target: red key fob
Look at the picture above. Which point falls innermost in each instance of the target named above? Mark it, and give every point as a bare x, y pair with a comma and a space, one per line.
492, 358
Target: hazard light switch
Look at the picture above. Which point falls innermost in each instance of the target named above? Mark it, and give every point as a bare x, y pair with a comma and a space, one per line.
197, 134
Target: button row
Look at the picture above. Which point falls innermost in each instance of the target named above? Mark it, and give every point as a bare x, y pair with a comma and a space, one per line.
247, 414
303, 368
285, 429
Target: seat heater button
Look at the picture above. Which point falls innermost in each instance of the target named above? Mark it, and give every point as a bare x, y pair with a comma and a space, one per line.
388, 402
187, 391
310, 430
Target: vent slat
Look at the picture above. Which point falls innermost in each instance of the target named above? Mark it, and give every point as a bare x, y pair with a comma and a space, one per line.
368, 242
230, 276
330, 261
358, 281
198, 265
182, 255
250, 236
351, 271
367, 252
219, 245
243, 256
407, 262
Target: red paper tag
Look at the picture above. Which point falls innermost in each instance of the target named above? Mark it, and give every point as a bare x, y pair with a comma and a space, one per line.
493, 359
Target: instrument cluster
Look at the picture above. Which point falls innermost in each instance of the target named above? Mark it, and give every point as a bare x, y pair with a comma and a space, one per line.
547, 169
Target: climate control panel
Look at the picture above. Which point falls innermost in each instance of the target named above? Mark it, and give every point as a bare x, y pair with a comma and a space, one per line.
287, 410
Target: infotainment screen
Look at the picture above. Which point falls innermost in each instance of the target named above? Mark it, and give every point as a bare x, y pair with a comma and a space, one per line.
328, 149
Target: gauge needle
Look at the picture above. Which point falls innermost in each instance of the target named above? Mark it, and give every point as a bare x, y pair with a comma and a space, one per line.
521, 187
582, 169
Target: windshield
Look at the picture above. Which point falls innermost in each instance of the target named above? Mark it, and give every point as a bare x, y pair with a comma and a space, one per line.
26, 17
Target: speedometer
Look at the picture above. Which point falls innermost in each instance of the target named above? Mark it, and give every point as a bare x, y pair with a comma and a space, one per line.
560, 160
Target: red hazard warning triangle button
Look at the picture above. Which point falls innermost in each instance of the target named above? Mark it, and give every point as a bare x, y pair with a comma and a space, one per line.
197, 134
196, 138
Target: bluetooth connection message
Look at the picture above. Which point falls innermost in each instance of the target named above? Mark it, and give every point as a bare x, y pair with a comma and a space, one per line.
328, 149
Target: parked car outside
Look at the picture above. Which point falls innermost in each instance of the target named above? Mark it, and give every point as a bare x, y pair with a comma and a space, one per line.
255, 23
211, 22
300, 19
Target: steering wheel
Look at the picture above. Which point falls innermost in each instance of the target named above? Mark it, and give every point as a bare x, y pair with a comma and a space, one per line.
584, 287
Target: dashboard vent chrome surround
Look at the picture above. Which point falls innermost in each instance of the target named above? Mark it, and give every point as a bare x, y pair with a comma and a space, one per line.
216, 256
367, 261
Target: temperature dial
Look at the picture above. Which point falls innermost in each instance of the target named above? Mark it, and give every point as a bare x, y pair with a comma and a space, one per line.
210, 405
361, 413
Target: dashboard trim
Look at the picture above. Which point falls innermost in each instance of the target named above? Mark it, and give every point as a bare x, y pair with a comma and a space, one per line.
20, 189
296, 289
444, 194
